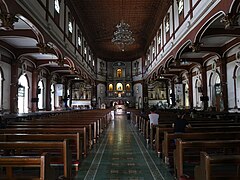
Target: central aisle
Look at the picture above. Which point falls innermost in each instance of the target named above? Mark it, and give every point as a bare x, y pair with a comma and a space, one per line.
122, 154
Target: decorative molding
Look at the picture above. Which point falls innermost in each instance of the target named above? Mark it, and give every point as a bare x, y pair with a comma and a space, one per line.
8, 21
44, 48
231, 20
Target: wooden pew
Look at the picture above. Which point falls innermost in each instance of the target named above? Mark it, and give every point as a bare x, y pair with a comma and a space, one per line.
94, 124
160, 132
82, 131
208, 164
169, 138
90, 128
76, 141
42, 162
144, 126
195, 147
28, 147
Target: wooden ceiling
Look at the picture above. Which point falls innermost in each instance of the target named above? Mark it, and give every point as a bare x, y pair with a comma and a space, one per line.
98, 19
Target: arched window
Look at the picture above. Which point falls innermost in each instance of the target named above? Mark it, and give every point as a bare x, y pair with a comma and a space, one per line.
79, 40
119, 87
119, 72
167, 23
110, 87
186, 95
23, 94
70, 26
57, 11
52, 97
128, 87
180, 6
40, 95
198, 93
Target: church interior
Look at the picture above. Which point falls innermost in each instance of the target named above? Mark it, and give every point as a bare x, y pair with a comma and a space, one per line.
79, 78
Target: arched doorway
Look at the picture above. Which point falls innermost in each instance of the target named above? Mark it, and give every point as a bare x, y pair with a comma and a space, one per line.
215, 91
198, 93
52, 97
23, 94
40, 94
186, 95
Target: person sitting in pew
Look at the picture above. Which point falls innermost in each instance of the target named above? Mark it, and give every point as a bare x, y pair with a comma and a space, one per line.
180, 123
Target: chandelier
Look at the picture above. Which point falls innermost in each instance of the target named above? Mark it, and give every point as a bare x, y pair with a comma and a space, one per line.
122, 36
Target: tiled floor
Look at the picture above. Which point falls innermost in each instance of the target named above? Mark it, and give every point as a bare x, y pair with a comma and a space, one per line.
122, 154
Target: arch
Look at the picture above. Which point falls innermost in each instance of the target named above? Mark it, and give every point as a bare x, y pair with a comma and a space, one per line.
40, 93
128, 87
23, 94
3, 6
201, 31
70, 63
110, 87
52, 101
38, 34
182, 48
198, 93
119, 87
119, 72
235, 7
23, 59
214, 88
154, 76
168, 62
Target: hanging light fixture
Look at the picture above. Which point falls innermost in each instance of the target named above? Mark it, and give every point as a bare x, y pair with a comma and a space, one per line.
122, 36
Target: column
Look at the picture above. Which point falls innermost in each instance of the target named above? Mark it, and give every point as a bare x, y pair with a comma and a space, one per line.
235, 92
48, 93
204, 87
173, 94
34, 90
190, 90
223, 70
145, 94
94, 95
14, 88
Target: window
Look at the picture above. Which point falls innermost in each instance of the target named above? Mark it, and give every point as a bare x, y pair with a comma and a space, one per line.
40, 95
79, 39
119, 87
153, 49
136, 67
89, 56
110, 87
70, 26
128, 87
167, 23
180, 6
159, 37
23, 94
85, 50
57, 11
52, 97
57, 6
119, 72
